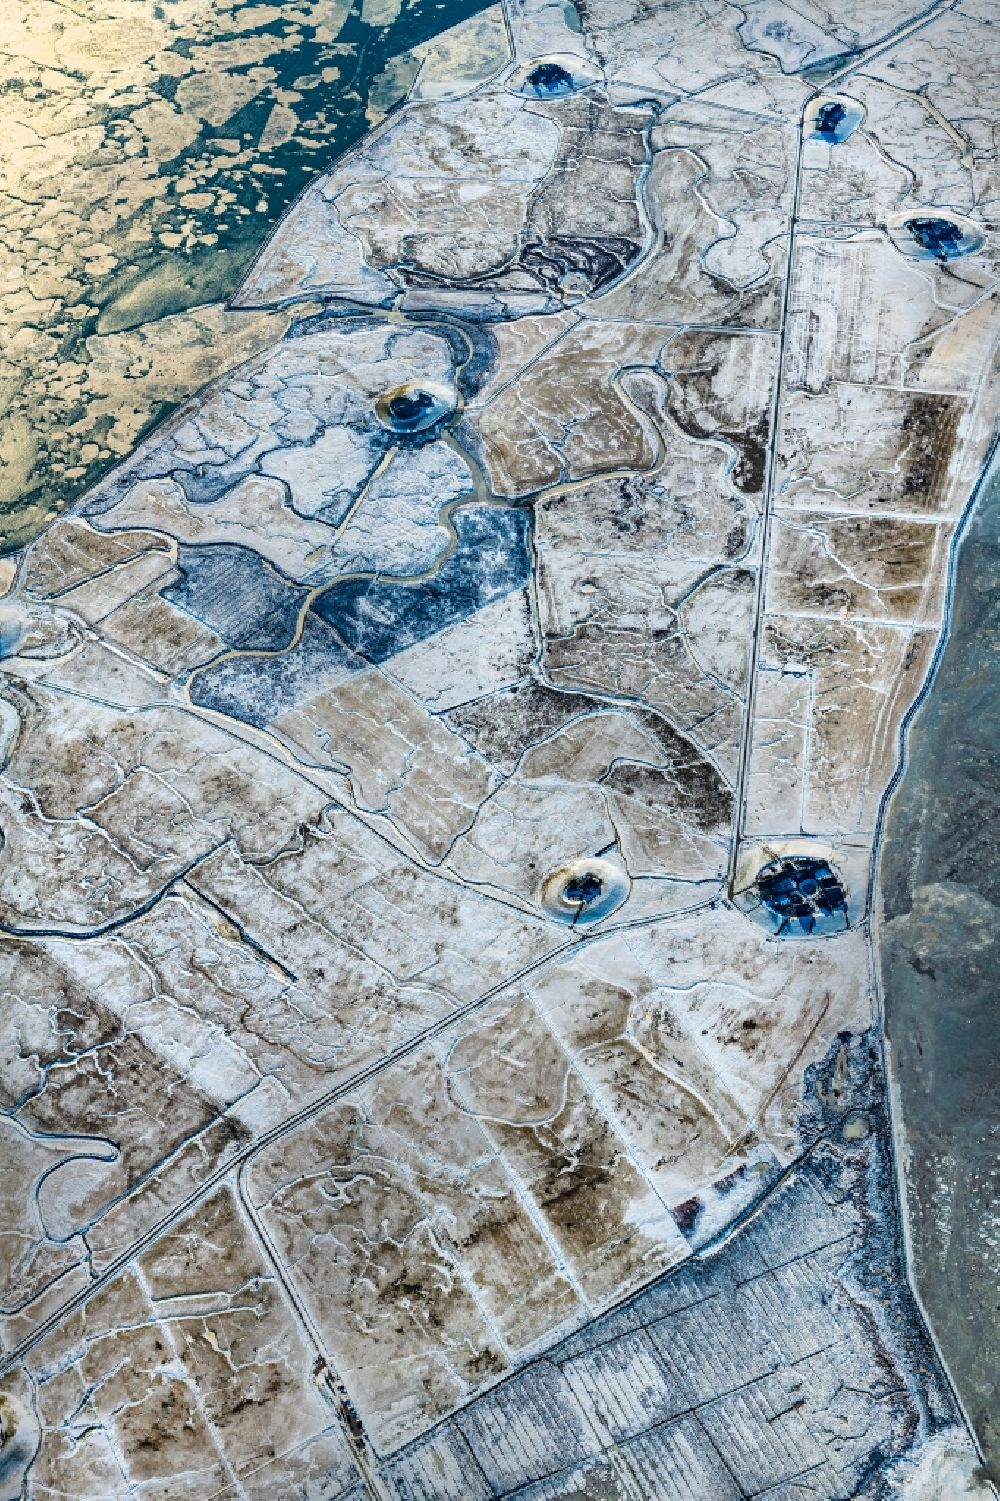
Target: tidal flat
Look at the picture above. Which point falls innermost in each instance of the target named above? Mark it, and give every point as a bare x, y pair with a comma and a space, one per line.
441, 767
151, 150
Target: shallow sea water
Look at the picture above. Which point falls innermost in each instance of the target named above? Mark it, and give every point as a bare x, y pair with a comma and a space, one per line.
940, 954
